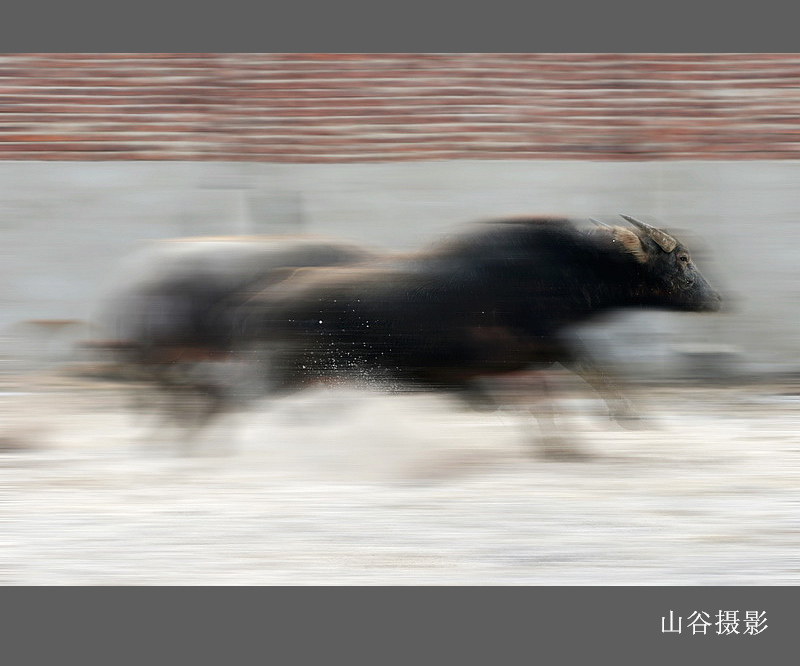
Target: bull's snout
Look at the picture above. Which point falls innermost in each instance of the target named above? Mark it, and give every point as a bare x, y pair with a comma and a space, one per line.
702, 297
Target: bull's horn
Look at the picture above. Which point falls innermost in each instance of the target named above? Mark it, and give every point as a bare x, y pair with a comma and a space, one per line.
664, 241
599, 223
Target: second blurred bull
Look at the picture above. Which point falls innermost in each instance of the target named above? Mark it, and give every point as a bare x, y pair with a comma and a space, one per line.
170, 314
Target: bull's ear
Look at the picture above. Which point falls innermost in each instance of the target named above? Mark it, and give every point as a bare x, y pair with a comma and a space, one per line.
630, 242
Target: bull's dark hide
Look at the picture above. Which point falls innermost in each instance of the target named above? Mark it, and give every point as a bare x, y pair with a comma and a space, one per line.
496, 299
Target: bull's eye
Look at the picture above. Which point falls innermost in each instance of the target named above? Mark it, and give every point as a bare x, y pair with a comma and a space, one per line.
684, 258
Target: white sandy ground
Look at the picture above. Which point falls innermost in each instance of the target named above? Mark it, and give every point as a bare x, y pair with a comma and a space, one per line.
354, 487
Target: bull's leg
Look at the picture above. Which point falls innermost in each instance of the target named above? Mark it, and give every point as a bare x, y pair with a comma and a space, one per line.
152, 400
529, 394
620, 409
476, 396
209, 403
163, 406
195, 397
554, 442
177, 406
575, 357
218, 391
143, 382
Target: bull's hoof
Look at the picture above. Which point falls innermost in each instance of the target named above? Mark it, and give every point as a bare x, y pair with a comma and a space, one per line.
633, 421
567, 456
560, 451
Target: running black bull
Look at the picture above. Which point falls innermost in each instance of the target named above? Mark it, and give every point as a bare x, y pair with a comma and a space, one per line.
497, 299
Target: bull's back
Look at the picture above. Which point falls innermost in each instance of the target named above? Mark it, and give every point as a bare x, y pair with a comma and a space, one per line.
179, 291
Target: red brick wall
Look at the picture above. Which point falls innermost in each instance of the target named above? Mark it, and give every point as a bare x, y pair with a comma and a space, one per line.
369, 107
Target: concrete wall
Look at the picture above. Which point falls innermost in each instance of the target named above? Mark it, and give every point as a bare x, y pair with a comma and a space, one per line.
64, 226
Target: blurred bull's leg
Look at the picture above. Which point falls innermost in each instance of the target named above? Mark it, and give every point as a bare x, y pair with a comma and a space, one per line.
176, 397
166, 407
177, 401
555, 442
206, 406
577, 358
620, 409
477, 397
530, 395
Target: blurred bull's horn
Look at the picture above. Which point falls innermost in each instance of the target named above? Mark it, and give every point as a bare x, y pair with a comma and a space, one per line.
664, 241
599, 223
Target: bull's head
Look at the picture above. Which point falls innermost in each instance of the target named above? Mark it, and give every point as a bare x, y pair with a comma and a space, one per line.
673, 280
